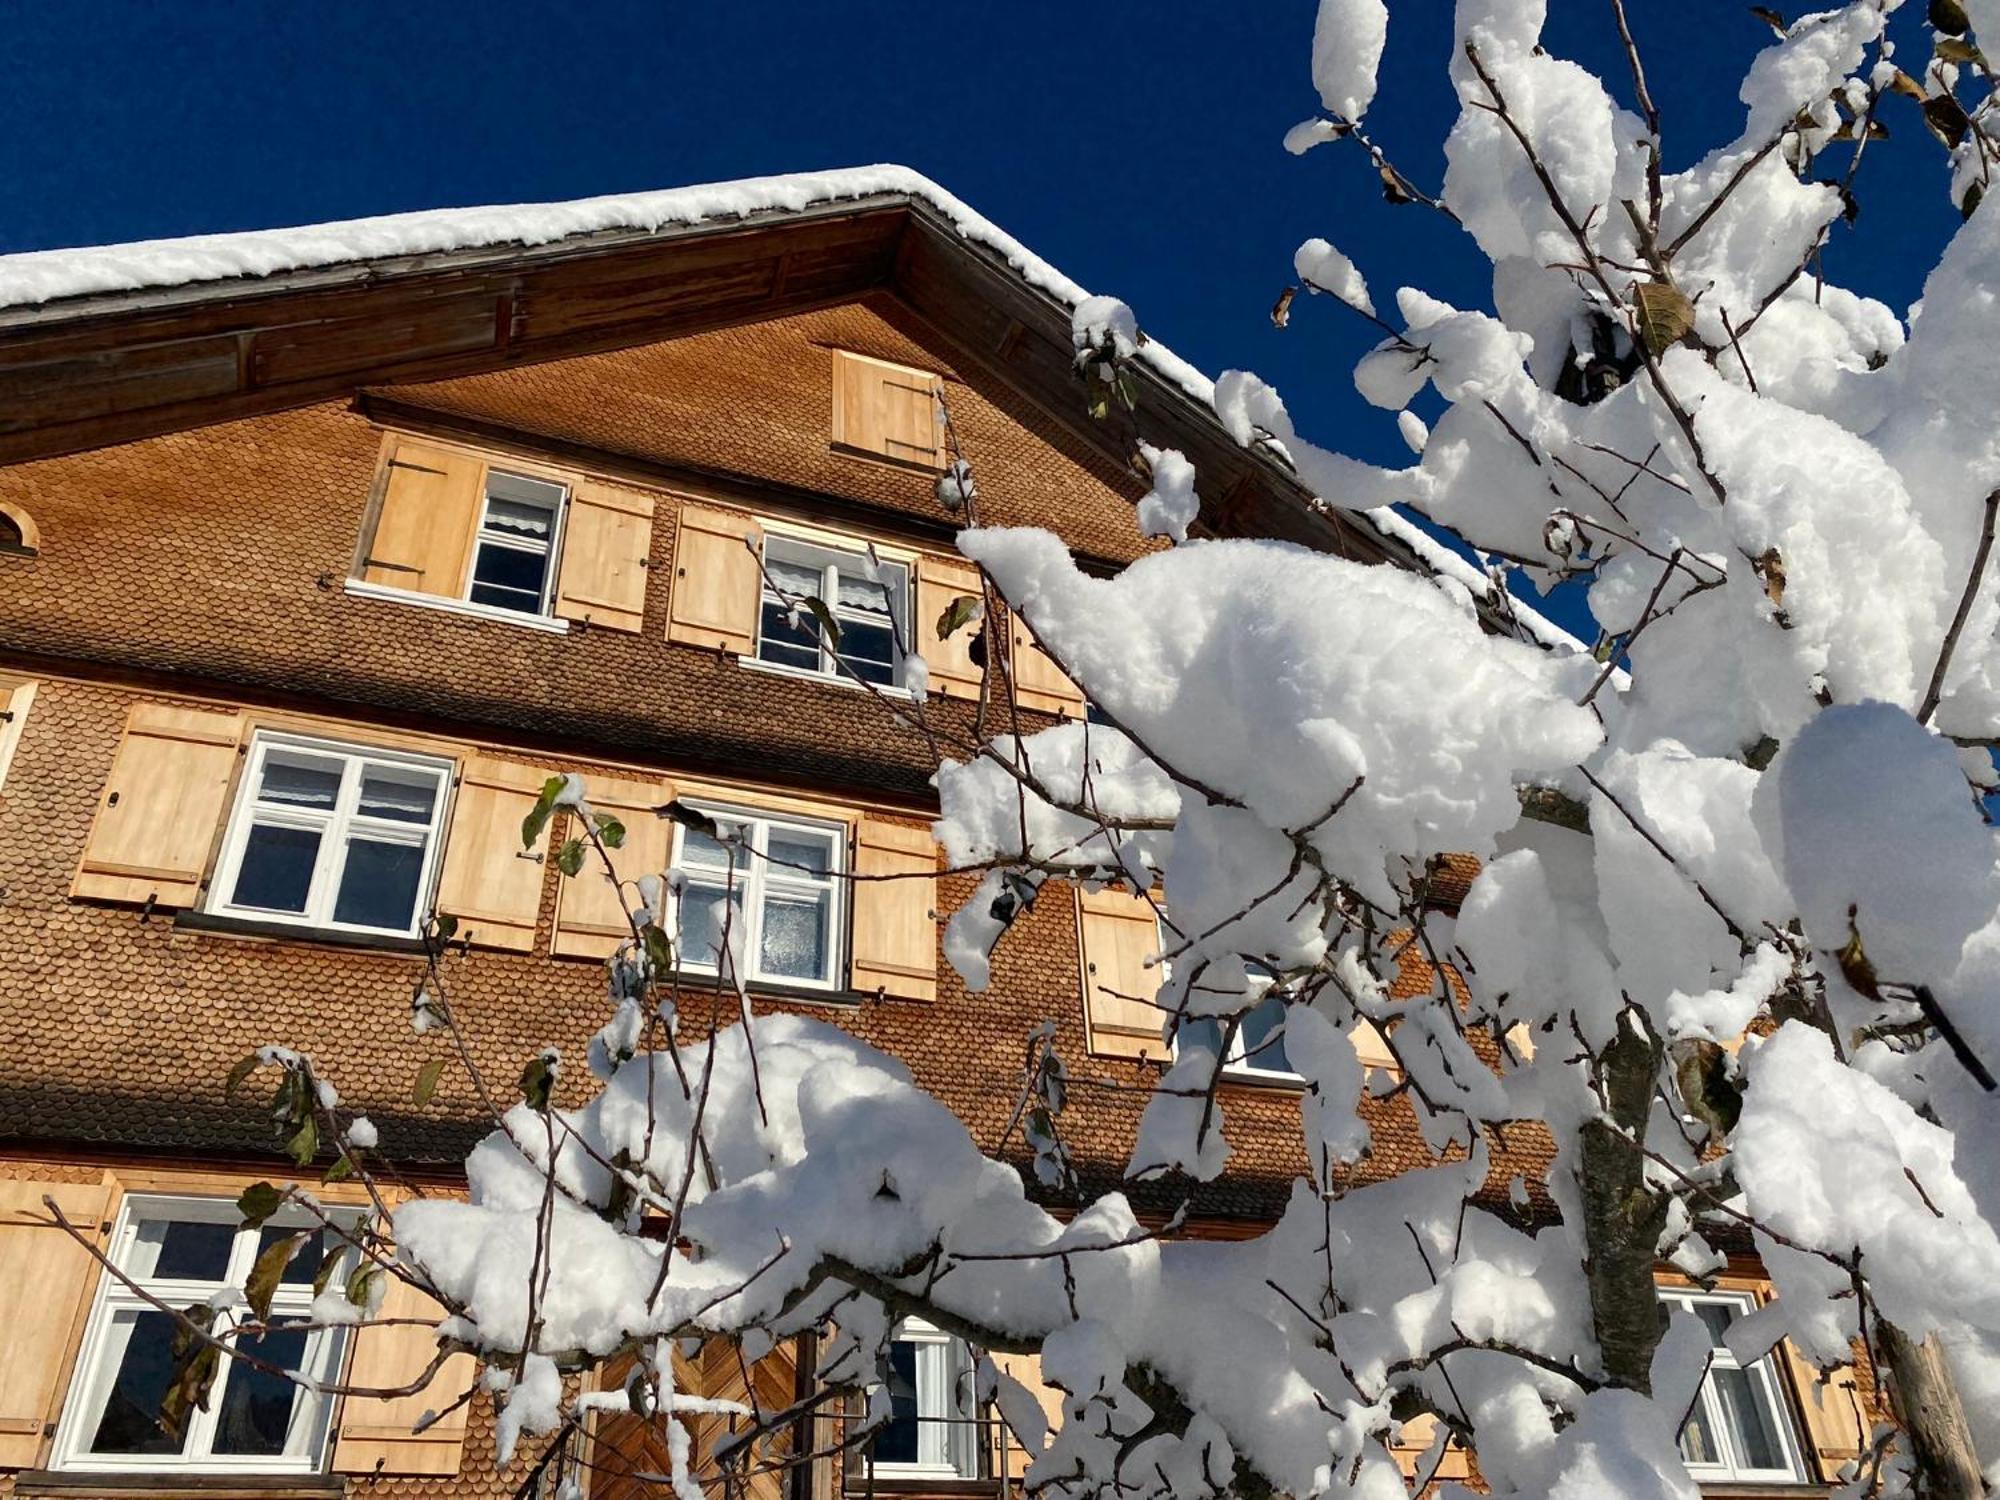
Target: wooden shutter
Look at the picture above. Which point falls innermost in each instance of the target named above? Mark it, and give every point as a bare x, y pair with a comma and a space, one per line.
376, 1434
716, 581
160, 809
607, 538
1039, 683
953, 671
1012, 1459
1117, 933
490, 882
16, 698
590, 910
1372, 1047
430, 507
1836, 1421
46, 1282
895, 935
887, 410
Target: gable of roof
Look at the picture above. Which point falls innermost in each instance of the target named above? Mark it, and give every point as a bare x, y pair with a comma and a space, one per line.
106, 344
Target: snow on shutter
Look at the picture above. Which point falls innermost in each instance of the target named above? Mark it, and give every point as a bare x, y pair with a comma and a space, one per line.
607, 537
590, 910
430, 507
885, 409
895, 936
953, 671
161, 806
716, 582
490, 882
15, 700
46, 1282
1117, 933
1012, 1459
377, 1434
1039, 683
1836, 1420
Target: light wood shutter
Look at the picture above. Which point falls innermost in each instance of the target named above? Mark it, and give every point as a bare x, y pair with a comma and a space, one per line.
953, 671
1039, 683
490, 882
46, 1282
590, 910
430, 508
376, 1433
1117, 933
16, 698
1836, 1422
885, 409
1012, 1459
895, 936
607, 538
716, 581
160, 809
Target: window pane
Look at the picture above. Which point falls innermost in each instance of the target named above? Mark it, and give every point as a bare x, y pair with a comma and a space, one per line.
697, 848
399, 792
142, 1344
1697, 1442
305, 1264
292, 780
519, 518
870, 650
509, 577
701, 924
1749, 1419
789, 645
257, 1406
1201, 1032
181, 1250
379, 886
1715, 1316
794, 938
277, 869
858, 592
796, 580
1262, 1043
793, 852
896, 1440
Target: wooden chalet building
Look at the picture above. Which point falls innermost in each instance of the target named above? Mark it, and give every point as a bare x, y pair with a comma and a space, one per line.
319, 549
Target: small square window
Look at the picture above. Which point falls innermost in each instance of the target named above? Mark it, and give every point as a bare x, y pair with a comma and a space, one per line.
259, 1420
771, 888
1258, 1048
868, 602
513, 554
330, 836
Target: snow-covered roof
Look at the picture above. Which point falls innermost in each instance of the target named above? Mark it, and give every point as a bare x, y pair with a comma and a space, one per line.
36, 277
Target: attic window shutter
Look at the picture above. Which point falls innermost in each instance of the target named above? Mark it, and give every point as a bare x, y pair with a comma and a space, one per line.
886, 410
46, 1281
160, 809
716, 582
953, 672
431, 499
16, 698
490, 883
591, 916
606, 541
377, 1434
1012, 1459
1117, 934
895, 936
1039, 683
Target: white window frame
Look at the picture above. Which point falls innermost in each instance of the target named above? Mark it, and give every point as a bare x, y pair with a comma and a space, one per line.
334, 826
752, 876
1764, 1380
90, 1383
1235, 1065
552, 550
831, 560
947, 1445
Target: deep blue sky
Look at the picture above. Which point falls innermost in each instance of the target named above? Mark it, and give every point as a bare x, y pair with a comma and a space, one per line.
1135, 143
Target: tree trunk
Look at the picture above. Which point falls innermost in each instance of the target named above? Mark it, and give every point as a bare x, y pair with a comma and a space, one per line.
1933, 1416
1623, 1218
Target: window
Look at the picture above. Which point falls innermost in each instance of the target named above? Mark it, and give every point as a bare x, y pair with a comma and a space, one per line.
513, 554
189, 1251
777, 884
328, 836
865, 597
1738, 1428
1258, 1048
932, 1430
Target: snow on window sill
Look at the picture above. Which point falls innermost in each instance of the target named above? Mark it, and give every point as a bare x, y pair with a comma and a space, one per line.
361, 588
757, 664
